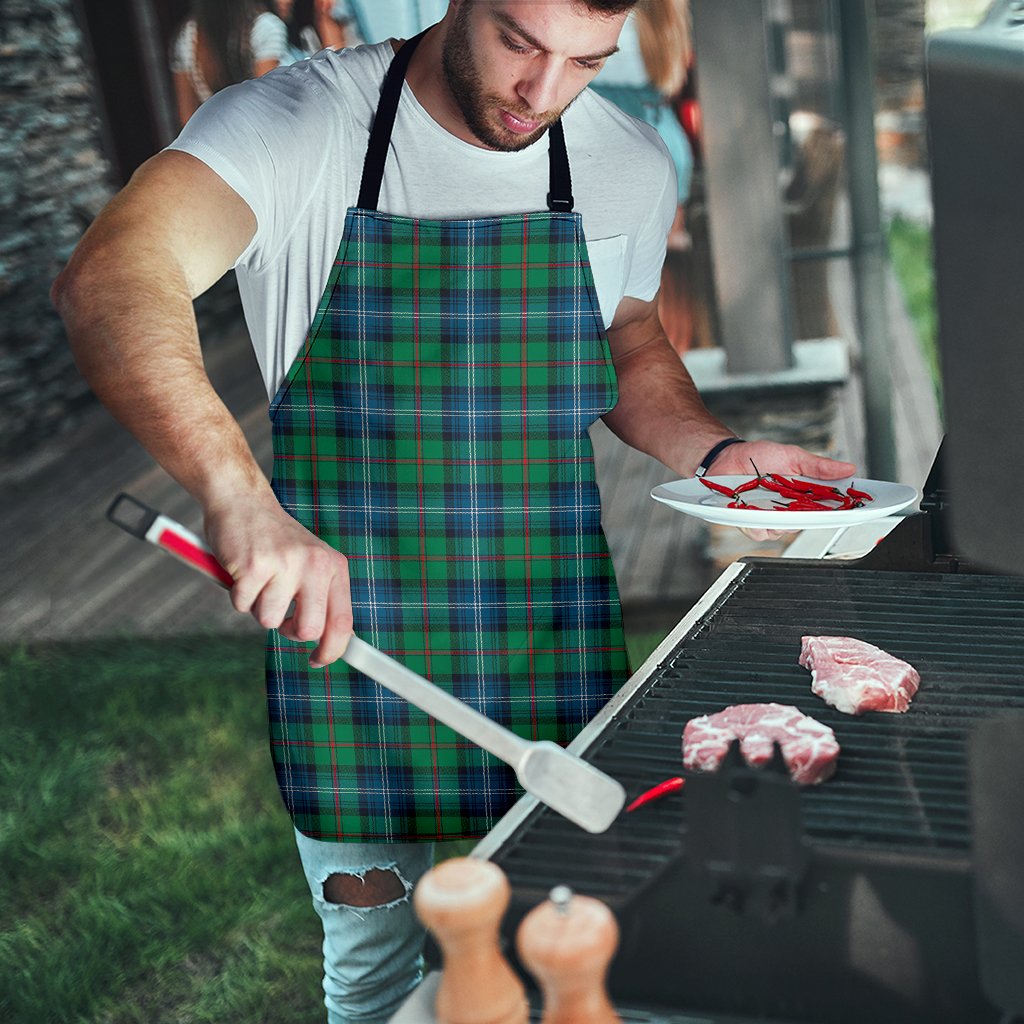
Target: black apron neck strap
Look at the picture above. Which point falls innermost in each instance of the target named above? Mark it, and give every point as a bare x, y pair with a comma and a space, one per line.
559, 197
383, 122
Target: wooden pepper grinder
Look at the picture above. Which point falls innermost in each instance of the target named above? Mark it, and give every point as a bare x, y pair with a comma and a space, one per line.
567, 943
462, 901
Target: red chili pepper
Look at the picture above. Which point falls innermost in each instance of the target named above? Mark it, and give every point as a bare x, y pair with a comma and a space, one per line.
770, 484
749, 485
728, 492
788, 492
822, 490
656, 793
793, 485
809, 487
863, 495
807, 505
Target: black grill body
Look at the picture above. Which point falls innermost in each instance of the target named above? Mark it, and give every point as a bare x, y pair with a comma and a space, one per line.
745, 896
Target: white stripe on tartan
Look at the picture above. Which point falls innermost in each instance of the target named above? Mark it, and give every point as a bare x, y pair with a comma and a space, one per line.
364, 311
578, 429
491, 604
396, 701
447, 414
474, 529
494, 510
282, 712
409, 790
430, 315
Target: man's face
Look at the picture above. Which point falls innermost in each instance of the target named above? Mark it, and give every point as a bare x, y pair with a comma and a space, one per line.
513, 66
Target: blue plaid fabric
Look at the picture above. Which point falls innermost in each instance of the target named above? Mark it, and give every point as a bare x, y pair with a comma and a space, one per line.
434, 429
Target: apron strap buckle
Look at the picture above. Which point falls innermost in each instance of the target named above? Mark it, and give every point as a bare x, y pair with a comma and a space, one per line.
559, 204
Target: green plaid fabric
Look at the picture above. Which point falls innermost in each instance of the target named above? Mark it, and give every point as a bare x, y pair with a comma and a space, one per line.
434, 429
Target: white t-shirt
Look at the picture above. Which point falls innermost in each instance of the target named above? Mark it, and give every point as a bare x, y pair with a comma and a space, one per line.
292, 144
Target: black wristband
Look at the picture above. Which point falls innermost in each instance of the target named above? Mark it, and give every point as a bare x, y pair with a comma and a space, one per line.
705, 463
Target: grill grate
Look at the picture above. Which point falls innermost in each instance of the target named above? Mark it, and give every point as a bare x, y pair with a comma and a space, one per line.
901, 787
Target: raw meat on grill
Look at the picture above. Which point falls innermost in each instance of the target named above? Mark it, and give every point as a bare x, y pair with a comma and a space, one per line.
809, 748
855, 677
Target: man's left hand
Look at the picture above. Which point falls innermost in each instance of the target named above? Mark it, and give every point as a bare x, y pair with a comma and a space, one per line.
772, 457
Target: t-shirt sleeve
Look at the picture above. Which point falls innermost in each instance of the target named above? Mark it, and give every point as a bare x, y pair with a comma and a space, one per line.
269, 38
268, 139
644, 278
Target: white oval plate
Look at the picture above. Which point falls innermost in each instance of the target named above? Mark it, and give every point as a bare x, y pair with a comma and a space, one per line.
693, 498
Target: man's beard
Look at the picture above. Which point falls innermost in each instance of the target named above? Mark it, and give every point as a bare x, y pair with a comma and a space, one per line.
464, 83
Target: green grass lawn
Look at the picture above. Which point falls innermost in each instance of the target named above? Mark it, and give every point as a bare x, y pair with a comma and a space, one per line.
910, 249
148, 868
149, 872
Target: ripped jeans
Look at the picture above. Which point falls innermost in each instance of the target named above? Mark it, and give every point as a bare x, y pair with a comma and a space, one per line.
372, 941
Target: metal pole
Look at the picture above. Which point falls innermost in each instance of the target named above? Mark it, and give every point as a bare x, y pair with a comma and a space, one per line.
741, 163
868, 241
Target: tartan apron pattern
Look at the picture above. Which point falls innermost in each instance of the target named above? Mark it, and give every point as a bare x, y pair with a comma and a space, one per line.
434, 429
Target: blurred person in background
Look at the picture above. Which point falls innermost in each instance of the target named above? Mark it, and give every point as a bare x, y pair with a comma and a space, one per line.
314, 25
221, 43
372, 21
647, 75
646, 78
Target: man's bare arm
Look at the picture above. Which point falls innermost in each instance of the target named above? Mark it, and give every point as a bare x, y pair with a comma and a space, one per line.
659, 410
126, 299
661, 413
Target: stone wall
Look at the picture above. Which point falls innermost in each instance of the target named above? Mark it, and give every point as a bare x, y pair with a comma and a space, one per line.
53, 180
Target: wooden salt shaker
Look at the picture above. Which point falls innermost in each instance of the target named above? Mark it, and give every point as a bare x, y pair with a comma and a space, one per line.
567, 943
462, 901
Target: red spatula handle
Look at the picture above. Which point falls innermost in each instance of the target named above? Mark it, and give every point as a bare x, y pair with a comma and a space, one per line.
146, 523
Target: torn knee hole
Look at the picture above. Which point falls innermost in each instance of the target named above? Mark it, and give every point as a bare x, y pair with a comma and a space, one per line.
373, 889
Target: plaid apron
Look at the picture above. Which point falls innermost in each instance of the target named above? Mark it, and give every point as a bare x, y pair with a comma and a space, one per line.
434, 429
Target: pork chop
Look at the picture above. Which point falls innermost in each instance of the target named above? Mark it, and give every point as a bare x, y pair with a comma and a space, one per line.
809, 748
854, 676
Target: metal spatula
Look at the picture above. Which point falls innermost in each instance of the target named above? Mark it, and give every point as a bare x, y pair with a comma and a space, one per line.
568, 785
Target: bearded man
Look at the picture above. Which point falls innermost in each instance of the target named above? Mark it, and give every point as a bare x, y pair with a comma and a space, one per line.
448, 252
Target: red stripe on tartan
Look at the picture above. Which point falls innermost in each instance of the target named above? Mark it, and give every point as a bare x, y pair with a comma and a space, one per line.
579, 461
314, 498
456, 267
311, 405
586, 556
447, 364
501, 652
314, 745
384, 837
523, 333
330, 732
422, 506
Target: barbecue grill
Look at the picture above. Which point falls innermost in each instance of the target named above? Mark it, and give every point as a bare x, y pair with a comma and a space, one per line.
747, 897
894, 892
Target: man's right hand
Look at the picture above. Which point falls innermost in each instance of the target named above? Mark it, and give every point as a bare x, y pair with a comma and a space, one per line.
126, 299
279, 567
